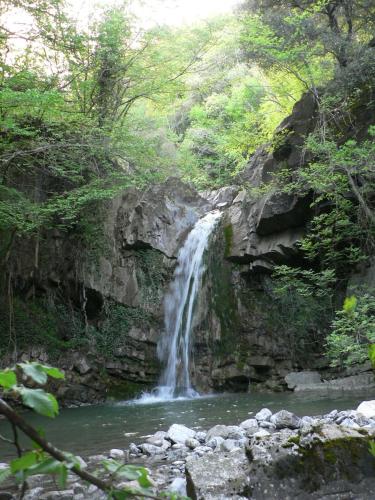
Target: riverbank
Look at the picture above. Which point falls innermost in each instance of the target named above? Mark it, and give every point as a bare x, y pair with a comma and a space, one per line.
270, 455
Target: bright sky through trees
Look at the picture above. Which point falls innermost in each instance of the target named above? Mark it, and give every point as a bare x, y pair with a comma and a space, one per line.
172, 12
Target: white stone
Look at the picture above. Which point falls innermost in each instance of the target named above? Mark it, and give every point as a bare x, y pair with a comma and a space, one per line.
250, 423
192, 443
261, 433
263, 414
180, 433
215, 442
178, 486
367, 408
116, 453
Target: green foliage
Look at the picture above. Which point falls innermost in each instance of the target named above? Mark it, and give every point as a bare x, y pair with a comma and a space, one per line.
304, 301
352, 337
38, 461
51, 325
37, 399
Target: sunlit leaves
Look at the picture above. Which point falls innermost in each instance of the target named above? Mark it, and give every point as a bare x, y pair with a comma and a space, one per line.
7, 379
40, 401
39, 373
5, 473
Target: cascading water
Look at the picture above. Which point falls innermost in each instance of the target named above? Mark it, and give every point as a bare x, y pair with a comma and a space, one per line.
180, 301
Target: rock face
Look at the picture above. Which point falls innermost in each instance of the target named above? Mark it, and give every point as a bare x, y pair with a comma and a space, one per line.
218, 477
266, 228
297, 380
315, 462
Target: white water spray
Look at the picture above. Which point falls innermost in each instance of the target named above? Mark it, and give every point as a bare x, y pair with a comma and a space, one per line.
174, 347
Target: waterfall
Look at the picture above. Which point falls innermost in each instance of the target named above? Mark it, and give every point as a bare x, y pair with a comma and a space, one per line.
179, 306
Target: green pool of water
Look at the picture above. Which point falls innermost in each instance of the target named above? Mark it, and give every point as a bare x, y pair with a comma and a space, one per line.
95, 429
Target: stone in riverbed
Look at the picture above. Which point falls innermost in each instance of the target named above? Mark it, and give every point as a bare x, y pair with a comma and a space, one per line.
232, 444
116, 454
150, 449
218, 431
158, 437
178, 433
201, 436
367, 408
215, 442
33, 494
261, 434
235, 432
250, 423
217, 476
178, 486
133, 448
192, 443
285, 419
263, 415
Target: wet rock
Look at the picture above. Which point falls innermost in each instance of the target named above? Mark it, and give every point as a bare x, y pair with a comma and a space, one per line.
133, 448
150, 449
201, 436
218, 431
232, 444
348, 422
116, 454
215, 442
178, 453
178, 486
32, 494
267, 425
235, 432
250, 423
158, 437
367, 409
263, 414
303, 378
60, 495
261, 434
328, 461
217, 476
178, 433
285, 419
192, 443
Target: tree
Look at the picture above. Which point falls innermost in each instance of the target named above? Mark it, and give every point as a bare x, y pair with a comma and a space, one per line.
307, 37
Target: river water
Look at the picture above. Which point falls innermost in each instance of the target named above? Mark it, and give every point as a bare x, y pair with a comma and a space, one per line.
94, 429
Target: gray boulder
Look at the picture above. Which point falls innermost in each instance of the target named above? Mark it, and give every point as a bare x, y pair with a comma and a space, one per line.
263, 414
367, 408
218, 431
217, 476
250, 423
285, 419
178, 433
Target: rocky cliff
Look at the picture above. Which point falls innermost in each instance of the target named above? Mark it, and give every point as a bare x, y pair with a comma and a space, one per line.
107, 295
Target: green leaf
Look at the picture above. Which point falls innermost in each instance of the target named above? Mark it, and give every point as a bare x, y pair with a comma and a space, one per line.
371, 354
23, 462
39, 372
46, 466
8, 379
350, 304
40, 401
63, 476
53, 372
34, 371
4, 474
